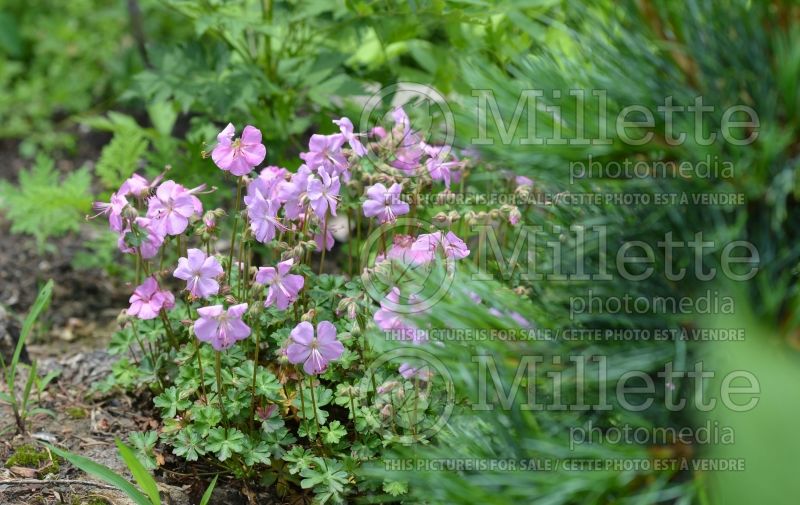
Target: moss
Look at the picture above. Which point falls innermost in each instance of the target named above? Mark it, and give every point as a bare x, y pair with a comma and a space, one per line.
77, 413
28, 456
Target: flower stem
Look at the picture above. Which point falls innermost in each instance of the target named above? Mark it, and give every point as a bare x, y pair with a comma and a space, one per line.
202, 374
314, 404
173, 341
358, 237
324, 243
255, 371
303, 405
220, 390
353, 410
235, 224
243, 274
416, 406
350, 242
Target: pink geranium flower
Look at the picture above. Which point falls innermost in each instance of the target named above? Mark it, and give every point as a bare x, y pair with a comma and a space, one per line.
265, 186
151, 238
283, 286
263, 215
221, 328
326, 151
137, 186
113, 210
148, 300
172, 207
200, 273
315, 352
323, 194
239, 156
423, 373
292, 193
424, 249
385, 204
521, 180
346, 127
329, 239
388, 319
440, 165
408, 145
401, 248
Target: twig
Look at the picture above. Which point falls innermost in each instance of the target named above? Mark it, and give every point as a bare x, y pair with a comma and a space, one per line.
66, 482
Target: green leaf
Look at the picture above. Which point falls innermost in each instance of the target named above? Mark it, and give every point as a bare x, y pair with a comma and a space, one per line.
10, 40
170, 402
205, 418
189, 444
162, 115
225, 444
395, 487
103, 473
140, 473
257, 454
326, 477
209, 491
144, 445
323, 397
41, 302
43, 204
333, 432
300, 459
120, 157
27, 392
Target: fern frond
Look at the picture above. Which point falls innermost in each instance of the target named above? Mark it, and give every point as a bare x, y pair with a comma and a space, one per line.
43, 205
120, 157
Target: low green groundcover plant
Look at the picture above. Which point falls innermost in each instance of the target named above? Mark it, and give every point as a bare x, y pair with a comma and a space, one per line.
263, 364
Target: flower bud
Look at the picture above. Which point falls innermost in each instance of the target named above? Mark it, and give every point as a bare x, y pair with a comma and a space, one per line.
441, 219
470, 214
130, 212
210, 220
348, 306
309, 316
522, 291
254, 309
387, 387
123, 318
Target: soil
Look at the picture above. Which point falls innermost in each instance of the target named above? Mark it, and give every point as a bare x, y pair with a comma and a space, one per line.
72, 340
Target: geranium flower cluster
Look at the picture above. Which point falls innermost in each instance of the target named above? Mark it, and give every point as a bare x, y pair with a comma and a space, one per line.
246, 348
279, 204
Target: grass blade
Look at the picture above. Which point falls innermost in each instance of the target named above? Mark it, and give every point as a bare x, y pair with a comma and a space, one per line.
140, 473
27, 392
103, 473
42, 300
209, 491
